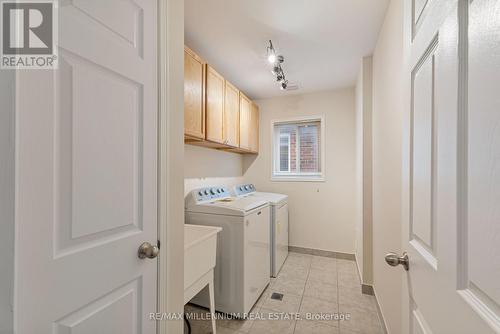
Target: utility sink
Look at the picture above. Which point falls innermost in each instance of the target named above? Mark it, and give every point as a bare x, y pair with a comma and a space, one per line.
200, 247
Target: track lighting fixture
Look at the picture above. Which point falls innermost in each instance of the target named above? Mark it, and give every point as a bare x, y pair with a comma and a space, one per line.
277, 60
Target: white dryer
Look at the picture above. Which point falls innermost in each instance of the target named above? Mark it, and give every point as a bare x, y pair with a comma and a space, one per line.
243, 263
278, 222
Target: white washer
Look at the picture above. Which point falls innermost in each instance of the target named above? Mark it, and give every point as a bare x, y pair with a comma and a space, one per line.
278, 222
243, 263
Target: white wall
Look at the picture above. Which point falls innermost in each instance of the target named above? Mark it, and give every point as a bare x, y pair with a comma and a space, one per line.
364, 171
387, 131
204, 167
322, 214
7, 224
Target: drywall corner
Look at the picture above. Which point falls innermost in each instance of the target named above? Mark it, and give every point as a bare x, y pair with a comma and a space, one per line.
367, 170
363, 108
388, 66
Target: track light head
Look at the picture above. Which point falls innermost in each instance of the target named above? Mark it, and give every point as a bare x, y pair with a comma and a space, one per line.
271, 53
271, 58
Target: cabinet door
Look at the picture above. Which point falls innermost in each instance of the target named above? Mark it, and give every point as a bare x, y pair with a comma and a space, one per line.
215, 105
245, 121
254, 128
194, 97
232, 116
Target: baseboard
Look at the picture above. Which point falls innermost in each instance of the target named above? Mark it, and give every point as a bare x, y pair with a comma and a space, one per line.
367, 289
320, 252
358, 268
380, 314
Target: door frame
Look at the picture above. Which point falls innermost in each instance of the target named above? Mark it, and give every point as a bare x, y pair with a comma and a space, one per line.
170, 48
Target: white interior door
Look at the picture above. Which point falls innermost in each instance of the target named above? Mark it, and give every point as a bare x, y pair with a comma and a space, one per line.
86, 141
451, 167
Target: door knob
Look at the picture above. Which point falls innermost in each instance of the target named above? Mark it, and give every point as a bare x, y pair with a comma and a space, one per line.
393, 259
146, 250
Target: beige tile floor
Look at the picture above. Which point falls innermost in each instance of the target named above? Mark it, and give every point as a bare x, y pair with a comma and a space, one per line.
313, 287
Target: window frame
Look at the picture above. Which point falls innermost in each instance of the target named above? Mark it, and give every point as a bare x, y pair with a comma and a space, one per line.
304, 176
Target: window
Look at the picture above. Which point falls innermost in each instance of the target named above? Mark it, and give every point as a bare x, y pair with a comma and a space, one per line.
298, 149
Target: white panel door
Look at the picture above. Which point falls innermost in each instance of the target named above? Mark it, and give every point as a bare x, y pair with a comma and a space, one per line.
451, 167
86, 185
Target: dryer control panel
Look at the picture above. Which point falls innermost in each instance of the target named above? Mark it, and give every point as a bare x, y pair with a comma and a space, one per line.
244, 189
210, 193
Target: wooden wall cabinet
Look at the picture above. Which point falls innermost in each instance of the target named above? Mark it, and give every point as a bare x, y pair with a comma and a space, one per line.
254, 128
245, 122
216, 113
222, 111
215, 105
231, 115
194, 95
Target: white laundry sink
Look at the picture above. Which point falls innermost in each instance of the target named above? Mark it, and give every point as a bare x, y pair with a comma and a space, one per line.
200, 246
200, 249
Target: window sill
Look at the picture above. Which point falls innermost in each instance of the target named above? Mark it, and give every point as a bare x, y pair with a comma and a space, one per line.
320, 178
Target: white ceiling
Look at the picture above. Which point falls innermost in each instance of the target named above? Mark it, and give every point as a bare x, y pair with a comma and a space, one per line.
322, 40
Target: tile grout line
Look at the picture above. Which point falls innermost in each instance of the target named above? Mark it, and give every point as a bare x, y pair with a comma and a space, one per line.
303, 291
